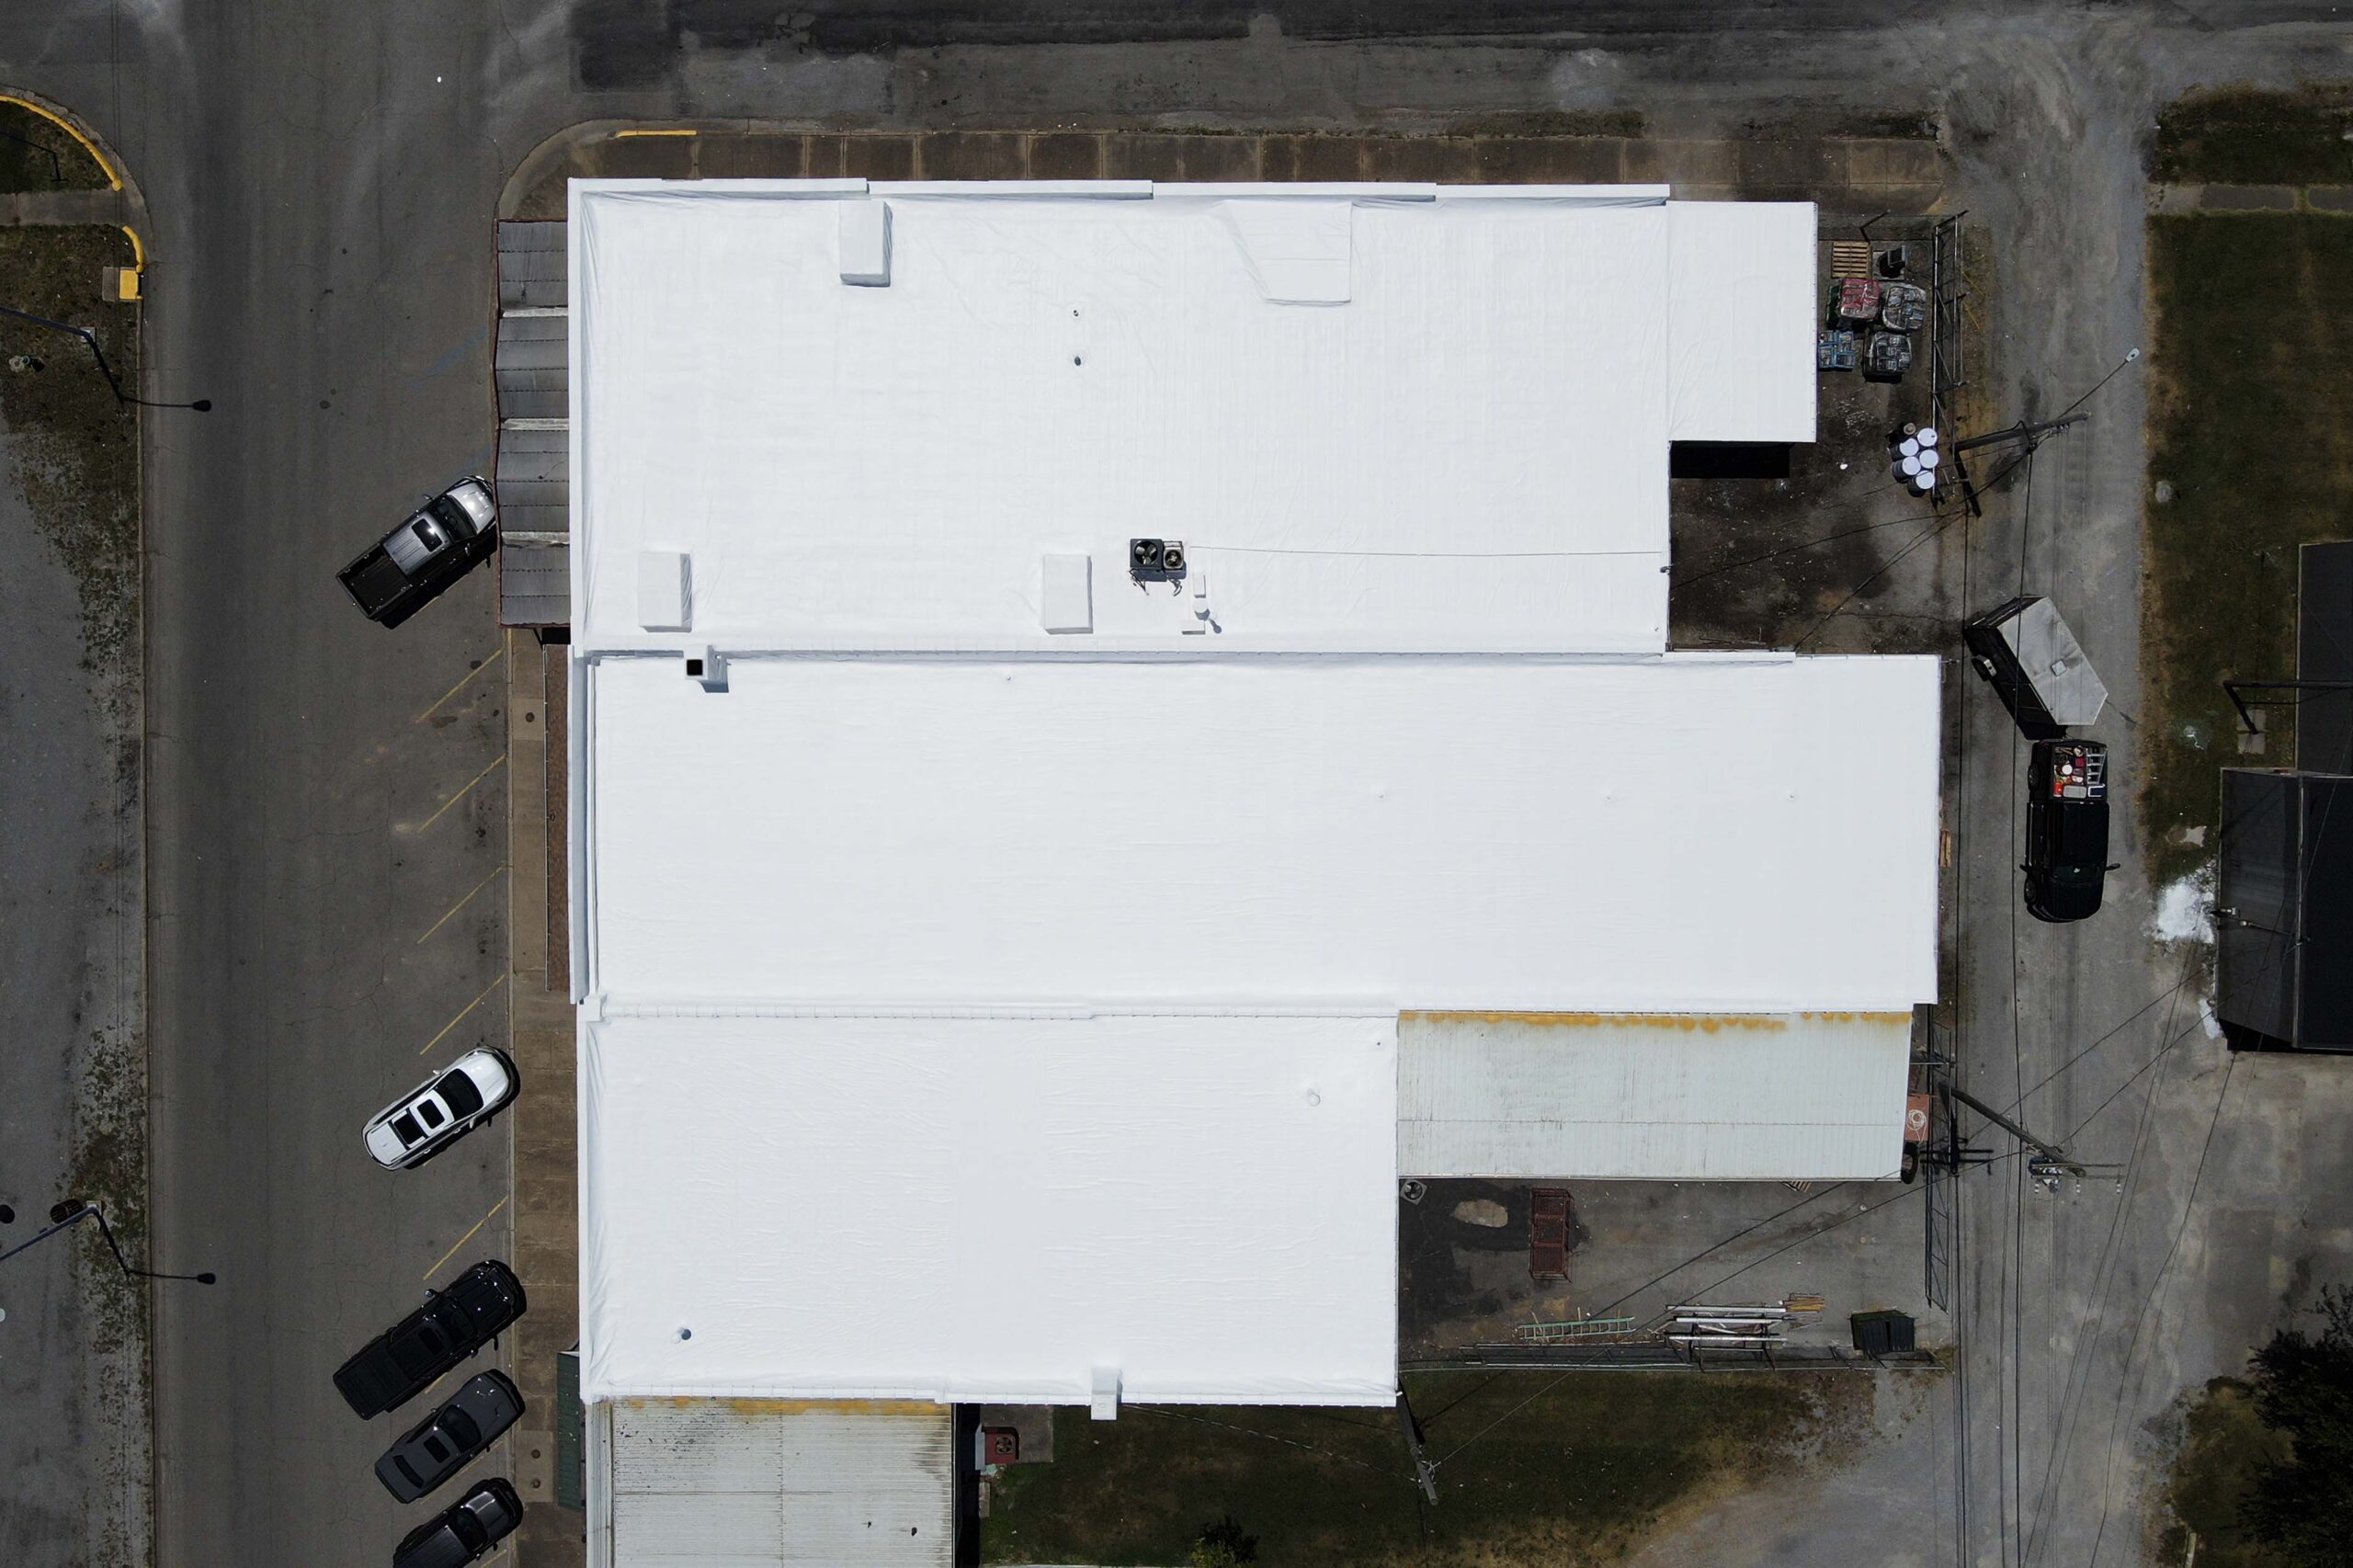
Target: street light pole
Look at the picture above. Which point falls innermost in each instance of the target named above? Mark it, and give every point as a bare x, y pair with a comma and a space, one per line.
200, 405
72, 1211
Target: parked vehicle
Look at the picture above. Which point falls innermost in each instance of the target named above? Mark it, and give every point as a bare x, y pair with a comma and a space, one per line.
402, 1362
461, 1533
2035, 665
443, 1443
2066, 829
461, 1097
434, 546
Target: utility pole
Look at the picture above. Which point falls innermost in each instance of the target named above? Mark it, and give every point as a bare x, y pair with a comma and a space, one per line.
2021, 431
2050, 1162
1424, 1473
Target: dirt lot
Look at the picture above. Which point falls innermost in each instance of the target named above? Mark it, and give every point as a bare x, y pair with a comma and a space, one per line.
1550, 1470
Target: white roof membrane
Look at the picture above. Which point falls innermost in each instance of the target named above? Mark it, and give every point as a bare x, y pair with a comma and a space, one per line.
978, 1209
1700, 834
1745, 304
1379, 417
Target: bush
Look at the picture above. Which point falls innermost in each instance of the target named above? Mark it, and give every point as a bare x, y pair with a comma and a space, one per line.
1222, 1545
2303, 1388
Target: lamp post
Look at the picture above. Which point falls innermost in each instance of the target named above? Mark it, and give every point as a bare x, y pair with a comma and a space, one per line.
72, 1211
200, 405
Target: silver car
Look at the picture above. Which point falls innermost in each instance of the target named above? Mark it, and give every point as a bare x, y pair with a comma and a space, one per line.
444, 1108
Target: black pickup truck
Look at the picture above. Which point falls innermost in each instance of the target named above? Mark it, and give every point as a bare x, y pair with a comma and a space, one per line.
390, 1369
437, 544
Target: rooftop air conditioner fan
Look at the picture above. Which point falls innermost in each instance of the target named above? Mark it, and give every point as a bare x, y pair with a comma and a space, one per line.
1172, 558
1143, 555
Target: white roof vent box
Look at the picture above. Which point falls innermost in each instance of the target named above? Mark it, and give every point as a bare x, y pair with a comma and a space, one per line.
865, 240
664, 591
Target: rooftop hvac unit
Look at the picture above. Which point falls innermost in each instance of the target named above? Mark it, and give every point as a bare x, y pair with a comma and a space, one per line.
1155, 560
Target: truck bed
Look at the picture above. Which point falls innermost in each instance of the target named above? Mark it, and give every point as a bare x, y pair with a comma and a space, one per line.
373, 581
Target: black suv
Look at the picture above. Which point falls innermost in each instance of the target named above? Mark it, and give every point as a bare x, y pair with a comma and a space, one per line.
394, 1367
440, 1446
2066, 829
461, 1533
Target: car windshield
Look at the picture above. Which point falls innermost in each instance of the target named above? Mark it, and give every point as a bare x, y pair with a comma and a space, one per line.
461, 1429
459, 1092
406, 1128
451, 514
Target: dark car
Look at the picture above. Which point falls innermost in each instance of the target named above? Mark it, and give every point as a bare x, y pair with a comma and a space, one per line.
461, 1533
2066, 828
433, 547
399, 1364
440, 1446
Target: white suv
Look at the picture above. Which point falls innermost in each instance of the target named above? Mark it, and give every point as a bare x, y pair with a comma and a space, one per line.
444, 1108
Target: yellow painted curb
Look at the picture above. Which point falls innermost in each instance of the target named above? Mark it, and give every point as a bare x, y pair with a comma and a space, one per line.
621, 135
138, 251
114, 180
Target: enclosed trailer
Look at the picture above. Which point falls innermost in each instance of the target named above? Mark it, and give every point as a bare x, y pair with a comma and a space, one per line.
2034, 663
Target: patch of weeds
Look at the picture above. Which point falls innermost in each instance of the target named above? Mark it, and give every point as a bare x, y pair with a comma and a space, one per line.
2248, 136
1309, 1487
37, 154
76, 447
1858, 126
2250, 456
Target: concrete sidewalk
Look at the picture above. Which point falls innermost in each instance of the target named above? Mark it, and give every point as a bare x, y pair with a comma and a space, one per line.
546, 1166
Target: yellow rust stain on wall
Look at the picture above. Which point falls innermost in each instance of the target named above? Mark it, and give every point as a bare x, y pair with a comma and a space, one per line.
750, 1409
1684, 1023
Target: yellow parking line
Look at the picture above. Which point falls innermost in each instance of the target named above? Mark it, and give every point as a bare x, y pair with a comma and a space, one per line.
460, 904
114, 180
461, 685
625, 135
460, 1018
464, 1239
461, 795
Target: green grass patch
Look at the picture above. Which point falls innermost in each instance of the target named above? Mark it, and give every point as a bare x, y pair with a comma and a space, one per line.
2251, 427
1594, 1463
2244, 136
37, 154
76, 448
2223, 1442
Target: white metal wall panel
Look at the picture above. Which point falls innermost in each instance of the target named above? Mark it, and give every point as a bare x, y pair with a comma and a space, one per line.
1653, 1096
735, 1484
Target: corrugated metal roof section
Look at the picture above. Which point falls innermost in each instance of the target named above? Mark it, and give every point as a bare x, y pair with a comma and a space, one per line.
534, 479
532, 261
699, 1482
533, 366
1651, 1096
534, 580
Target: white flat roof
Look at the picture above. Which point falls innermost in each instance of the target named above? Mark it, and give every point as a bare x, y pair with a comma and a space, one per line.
1696, 834
1653, 1096
1379, 417
980, 1209
990, 961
